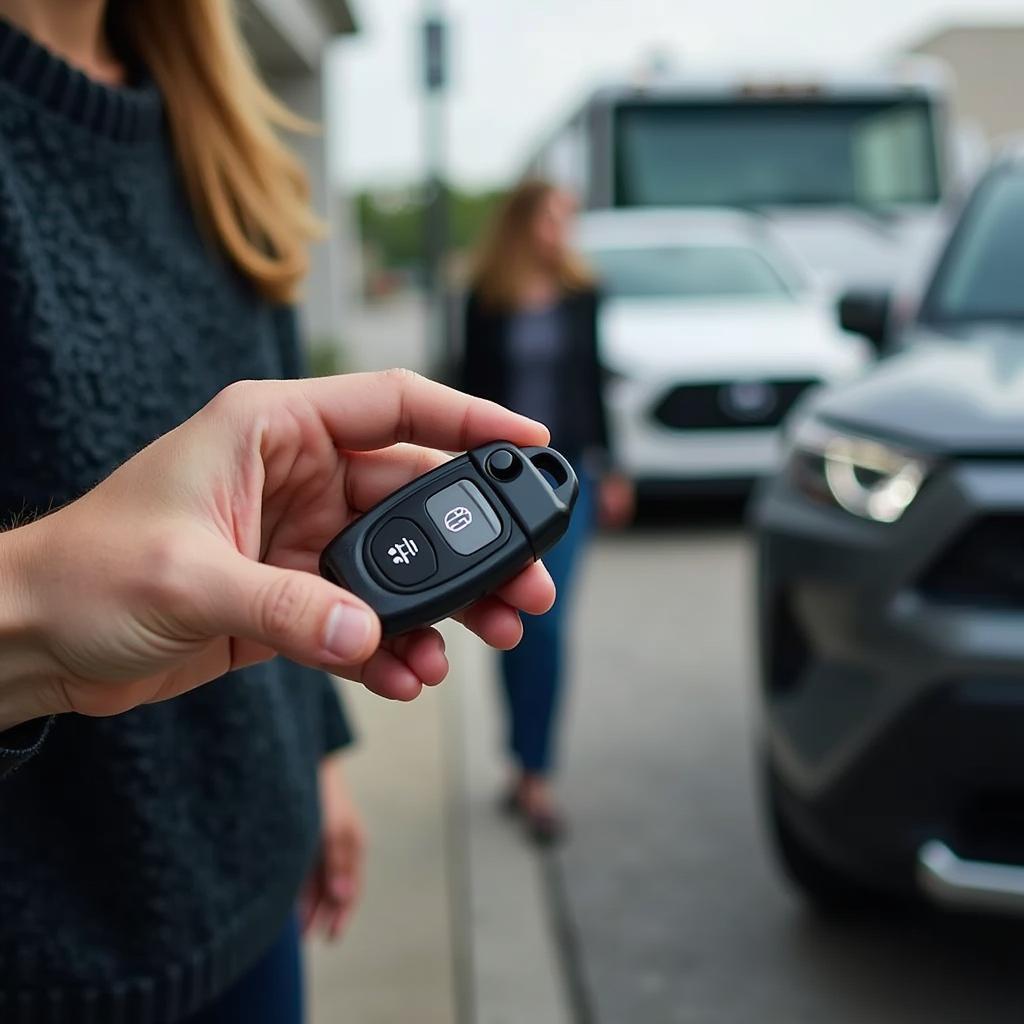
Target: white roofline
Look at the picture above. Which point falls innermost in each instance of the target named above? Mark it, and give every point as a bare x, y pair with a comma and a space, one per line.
305, 26
911, 72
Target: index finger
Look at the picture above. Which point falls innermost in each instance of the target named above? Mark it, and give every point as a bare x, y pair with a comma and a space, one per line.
365, 411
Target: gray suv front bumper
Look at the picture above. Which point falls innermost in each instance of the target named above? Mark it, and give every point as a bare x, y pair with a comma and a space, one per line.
893, 710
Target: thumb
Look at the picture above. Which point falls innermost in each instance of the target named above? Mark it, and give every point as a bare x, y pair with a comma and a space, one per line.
294, 613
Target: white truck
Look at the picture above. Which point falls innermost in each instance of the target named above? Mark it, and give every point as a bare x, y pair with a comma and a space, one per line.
850, 168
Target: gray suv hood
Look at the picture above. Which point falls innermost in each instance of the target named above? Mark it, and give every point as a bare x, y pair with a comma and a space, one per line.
942, 394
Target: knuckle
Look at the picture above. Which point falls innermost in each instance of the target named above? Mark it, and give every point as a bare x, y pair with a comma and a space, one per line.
242, 394
336, 836
166, 581
427, 460
400, 376
285, 606
402, 382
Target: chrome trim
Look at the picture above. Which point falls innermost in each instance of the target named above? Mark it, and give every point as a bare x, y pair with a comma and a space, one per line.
951, 881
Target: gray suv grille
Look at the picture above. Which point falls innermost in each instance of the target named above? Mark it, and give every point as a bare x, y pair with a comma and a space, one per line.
983, 567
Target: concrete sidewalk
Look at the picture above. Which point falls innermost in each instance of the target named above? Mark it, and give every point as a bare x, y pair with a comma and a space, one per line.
515, 968
454, 927
397, 961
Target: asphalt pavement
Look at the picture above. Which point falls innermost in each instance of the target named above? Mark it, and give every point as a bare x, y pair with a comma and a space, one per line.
664, 908
674, 912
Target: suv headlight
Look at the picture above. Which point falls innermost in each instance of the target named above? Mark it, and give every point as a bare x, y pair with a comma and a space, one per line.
867, 478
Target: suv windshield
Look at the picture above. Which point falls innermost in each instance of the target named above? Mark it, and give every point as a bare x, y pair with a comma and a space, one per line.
864, 153
982, 275
688, 272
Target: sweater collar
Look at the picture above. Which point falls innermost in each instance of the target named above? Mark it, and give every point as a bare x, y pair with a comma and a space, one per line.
122, 113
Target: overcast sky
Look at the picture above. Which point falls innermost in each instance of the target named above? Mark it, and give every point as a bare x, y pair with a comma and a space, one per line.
518, 65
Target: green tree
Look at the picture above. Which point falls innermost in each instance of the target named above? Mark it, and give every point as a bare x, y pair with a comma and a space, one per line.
391, 223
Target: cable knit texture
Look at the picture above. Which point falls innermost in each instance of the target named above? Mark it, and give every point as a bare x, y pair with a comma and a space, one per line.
145, 860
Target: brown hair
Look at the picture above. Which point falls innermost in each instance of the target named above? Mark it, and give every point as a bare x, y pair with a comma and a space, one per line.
503, 260
248, 190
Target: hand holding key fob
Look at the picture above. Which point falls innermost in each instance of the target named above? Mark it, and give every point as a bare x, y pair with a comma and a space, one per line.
455, 534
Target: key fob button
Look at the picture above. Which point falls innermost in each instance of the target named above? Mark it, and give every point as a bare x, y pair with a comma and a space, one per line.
463, 517
503, 465
462, 530
402, 552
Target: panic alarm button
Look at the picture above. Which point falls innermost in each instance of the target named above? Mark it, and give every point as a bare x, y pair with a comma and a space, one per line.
403, 553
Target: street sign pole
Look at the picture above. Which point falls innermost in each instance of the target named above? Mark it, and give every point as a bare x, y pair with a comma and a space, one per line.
435, 197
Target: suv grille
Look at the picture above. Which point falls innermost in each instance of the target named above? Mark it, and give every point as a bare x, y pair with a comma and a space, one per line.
984, 566
725, 405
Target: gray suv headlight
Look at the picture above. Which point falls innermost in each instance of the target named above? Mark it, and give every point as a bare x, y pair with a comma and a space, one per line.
867, 478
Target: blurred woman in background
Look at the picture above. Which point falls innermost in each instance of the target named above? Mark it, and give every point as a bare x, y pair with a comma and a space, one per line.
531, 344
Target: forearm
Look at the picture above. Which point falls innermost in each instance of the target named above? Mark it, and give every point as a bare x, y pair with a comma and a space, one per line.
25, 683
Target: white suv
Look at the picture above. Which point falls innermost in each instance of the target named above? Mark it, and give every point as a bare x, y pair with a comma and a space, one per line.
710, 332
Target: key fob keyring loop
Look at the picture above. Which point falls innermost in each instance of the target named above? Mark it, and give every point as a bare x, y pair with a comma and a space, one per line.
548, 460
455, 534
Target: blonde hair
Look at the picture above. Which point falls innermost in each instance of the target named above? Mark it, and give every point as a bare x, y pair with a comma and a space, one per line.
249, 191
503, 261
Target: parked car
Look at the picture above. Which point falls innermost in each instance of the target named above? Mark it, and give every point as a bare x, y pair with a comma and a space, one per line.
891, 593
710, 333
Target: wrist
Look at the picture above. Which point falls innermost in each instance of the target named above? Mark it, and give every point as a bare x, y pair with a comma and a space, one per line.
332, 766
25, 684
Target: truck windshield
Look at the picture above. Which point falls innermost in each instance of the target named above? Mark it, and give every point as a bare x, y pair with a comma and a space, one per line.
763, 152
982, 274
687, 272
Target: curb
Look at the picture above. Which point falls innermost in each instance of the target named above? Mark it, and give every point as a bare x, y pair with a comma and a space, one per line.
504, 919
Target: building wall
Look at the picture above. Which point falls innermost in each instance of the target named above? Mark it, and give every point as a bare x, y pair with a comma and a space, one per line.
987, 62
322, 305
289, 39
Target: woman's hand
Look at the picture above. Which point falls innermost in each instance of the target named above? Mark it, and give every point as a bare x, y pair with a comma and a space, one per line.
335, 882
199, 555
616, 501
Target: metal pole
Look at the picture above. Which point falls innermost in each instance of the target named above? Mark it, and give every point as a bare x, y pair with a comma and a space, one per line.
435, 196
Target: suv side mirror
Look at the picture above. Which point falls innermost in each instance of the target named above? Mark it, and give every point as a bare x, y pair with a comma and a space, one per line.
865, 311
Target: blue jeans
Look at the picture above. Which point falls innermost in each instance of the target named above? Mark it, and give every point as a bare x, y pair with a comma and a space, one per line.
533, 673
269, 993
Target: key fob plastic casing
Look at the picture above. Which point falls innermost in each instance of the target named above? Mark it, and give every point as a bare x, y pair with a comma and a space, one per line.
454, 535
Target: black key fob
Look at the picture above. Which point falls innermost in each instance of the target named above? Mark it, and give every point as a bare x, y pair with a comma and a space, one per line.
455, 534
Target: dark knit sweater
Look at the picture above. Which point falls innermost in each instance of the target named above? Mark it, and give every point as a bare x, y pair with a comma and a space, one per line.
146, 860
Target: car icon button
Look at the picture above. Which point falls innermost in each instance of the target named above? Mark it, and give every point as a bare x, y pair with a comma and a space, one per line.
402, 552
463, 517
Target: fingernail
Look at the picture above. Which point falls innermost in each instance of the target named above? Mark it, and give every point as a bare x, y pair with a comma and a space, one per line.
348, 631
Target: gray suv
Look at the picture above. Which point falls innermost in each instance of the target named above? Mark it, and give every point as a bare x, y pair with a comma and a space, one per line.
891, 593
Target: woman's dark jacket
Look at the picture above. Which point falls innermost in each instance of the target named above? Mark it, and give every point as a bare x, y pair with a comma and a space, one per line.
147, 859
486, 370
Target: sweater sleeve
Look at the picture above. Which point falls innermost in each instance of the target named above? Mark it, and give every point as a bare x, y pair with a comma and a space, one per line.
22, 742
471, 369
337, 732
292, 354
